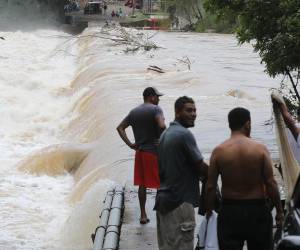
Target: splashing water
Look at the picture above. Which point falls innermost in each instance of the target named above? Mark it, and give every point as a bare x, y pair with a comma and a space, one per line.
62, 98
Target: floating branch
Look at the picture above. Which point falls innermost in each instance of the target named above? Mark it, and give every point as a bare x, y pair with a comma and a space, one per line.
155, 68
120, 36
185, 60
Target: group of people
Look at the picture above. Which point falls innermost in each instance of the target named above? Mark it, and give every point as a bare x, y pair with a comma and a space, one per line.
117, 13
169, 159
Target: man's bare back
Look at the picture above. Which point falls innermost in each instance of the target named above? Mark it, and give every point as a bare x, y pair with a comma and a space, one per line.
247, 178
244, 165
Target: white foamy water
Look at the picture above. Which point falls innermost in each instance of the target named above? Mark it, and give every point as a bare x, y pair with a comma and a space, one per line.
54, 90
34, 110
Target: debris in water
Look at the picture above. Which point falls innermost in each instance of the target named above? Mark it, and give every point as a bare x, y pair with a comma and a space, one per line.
185, 60
155, 68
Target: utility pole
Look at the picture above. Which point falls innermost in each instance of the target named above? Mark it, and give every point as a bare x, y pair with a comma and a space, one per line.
133, 7
148, 7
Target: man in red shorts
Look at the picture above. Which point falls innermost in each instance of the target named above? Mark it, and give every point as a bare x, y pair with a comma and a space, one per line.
147, 122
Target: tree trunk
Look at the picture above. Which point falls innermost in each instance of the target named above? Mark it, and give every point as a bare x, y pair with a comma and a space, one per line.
199, 11
188, 16
294, 86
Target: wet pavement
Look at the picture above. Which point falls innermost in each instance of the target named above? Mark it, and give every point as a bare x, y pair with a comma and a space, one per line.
135, 236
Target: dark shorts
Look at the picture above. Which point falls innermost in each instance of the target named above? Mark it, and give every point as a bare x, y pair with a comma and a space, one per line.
146, 170
245, 220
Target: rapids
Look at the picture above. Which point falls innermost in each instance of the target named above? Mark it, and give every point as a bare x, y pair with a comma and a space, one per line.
62, 98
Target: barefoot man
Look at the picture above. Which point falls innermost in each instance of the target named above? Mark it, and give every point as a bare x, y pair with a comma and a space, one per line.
247, 182
147, 122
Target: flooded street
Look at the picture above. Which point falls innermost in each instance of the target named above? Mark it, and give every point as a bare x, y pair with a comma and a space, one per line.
62, 98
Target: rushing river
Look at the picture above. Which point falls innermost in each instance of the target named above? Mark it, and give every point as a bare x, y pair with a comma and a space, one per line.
61, 99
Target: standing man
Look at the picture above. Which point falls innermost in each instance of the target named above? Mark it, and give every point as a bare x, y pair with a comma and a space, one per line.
105, 8
181, 166
147, 122
247, 182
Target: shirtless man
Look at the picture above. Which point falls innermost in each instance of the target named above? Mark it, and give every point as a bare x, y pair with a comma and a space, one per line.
247, 181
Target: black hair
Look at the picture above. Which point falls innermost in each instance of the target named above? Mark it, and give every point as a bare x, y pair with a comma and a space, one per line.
237, 118
179, 103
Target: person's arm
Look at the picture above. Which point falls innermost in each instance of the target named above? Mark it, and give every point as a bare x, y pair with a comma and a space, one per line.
160, 120
202, 169
211, 184
194, 155
271, 186
121, 130
289, 121
287, 117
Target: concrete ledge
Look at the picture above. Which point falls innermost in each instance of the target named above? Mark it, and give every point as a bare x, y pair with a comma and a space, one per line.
135, 236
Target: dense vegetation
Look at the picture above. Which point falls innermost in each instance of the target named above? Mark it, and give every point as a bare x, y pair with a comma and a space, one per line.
196, 18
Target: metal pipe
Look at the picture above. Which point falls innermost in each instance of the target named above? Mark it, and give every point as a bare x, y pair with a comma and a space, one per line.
101, 229
112, 234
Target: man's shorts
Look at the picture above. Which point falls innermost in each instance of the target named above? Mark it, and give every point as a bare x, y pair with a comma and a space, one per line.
146, 170
245, 220
175, 230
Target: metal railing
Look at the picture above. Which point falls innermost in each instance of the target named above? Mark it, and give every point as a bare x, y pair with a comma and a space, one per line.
107, 234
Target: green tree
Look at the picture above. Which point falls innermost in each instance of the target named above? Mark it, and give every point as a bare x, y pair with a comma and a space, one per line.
272, 26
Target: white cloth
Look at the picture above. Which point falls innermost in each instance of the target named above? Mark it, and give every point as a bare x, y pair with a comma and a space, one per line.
289, 164
295, 145
207, 236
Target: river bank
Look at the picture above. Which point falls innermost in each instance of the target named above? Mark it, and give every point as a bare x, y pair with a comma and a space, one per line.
158, 20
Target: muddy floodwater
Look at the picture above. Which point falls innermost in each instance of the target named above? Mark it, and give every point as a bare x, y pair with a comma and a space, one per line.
62, 98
